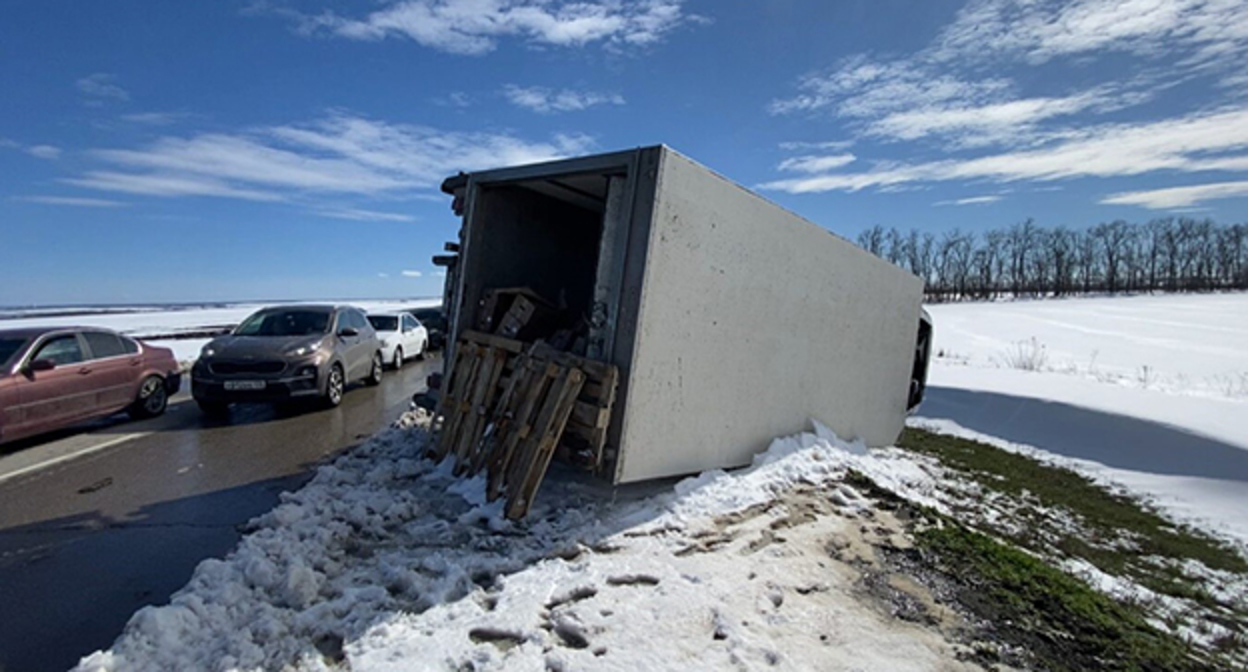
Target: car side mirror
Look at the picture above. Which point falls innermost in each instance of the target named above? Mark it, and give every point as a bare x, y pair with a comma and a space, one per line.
348, 331
41, 365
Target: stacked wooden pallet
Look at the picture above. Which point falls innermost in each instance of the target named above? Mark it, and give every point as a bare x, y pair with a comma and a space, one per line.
508, 407
514, 312
586, 435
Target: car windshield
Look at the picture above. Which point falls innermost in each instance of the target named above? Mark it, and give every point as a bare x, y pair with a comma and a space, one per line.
384, 322
285, 323
9, 347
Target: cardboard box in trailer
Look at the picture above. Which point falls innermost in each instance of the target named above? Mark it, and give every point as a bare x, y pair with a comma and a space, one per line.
731, 321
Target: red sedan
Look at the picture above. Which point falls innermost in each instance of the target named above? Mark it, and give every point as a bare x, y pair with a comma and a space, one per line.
55, 377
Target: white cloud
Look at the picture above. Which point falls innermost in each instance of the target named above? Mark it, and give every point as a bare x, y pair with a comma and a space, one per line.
832, 145
439, 273
1195, 143
973, 200
1196, 31
473, 27
99, 88
359, 215
1188, 211
1179, 197
155, 118
816, 164
47, 152
1002, 123
967, 92
166, 185
544, 100
70, 200
339, 154
44, 152
862, 87
910, 99
412, 274
383, 275
454, 99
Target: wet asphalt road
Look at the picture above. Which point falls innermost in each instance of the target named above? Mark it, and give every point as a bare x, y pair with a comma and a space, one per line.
87, 542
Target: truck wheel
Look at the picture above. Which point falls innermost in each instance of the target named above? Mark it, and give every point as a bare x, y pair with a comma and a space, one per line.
152, 400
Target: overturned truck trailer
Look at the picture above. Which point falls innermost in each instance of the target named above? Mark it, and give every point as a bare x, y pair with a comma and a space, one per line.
730, 320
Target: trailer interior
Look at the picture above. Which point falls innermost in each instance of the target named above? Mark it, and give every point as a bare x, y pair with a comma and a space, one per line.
531, 372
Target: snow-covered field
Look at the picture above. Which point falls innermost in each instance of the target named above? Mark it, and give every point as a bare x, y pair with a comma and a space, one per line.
1144, 392
386, 562
144, 321
1179, 344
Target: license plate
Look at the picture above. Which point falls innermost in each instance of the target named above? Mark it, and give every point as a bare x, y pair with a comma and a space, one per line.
244, 384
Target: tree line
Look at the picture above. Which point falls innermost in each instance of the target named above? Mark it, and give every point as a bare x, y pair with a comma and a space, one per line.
1028, 260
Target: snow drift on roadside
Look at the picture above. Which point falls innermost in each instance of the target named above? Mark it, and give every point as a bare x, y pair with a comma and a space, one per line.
389, 562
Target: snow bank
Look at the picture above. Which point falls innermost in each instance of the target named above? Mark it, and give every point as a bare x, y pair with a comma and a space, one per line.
1213, 505
388, 562
1147, 393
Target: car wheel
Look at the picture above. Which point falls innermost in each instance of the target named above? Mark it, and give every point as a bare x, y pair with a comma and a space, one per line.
335, 384
214, 409
374, 375
424, 348
398, 357
152, 400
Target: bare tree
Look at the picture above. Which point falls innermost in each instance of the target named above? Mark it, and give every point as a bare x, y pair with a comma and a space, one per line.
1154, 239
895, 246
1026, 259
872, 240
1062, 252
1112, 239
988, 264
1018, 243
919, 248
1231, 261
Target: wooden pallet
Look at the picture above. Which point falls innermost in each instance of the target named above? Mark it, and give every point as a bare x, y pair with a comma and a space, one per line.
452, 407
591, 414
469, 399
508, 407
527, 466
506, 311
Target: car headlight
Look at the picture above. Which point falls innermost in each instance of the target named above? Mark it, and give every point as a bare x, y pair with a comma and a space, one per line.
207, 351
304, 350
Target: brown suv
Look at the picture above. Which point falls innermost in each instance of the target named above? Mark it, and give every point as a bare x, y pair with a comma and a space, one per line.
56, 377
288, 353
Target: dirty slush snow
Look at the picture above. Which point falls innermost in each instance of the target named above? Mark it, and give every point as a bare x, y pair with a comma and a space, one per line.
386, 561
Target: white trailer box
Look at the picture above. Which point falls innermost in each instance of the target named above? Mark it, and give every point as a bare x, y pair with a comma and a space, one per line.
732, 320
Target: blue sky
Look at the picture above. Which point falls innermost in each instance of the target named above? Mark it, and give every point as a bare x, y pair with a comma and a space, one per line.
178, 151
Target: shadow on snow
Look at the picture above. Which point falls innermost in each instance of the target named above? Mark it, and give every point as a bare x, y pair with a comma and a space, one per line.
1116, 441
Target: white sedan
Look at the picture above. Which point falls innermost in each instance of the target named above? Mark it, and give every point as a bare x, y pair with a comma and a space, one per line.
402, 337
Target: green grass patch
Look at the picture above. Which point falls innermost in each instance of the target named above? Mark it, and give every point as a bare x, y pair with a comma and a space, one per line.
1057, 618
1105, 516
